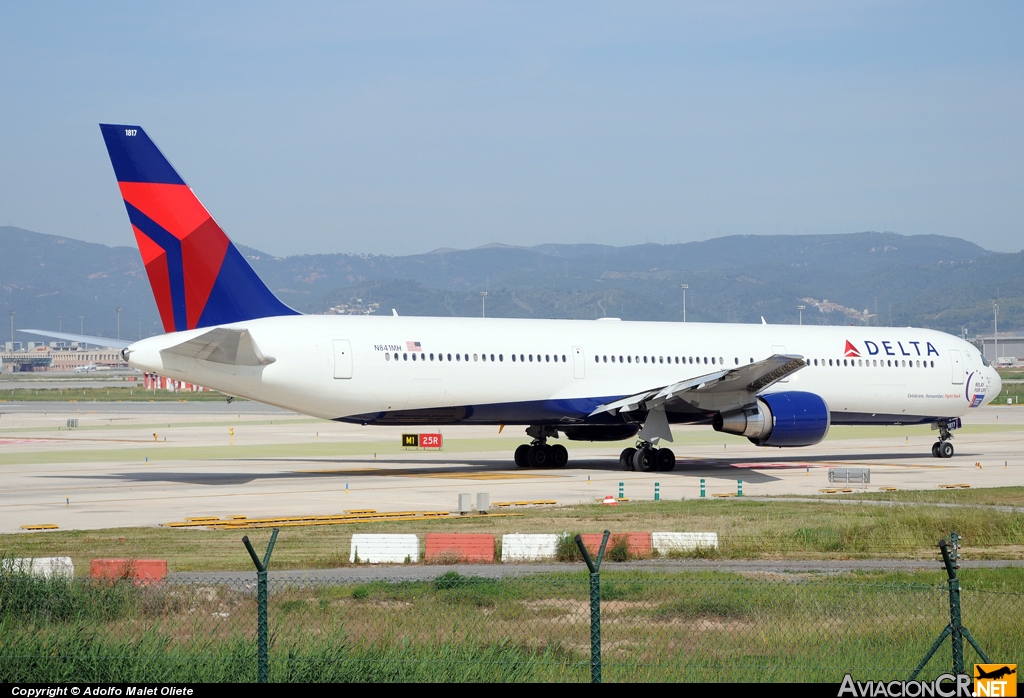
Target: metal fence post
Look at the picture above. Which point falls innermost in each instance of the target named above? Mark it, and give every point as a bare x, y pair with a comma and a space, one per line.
262, 632
954, 629
595, 604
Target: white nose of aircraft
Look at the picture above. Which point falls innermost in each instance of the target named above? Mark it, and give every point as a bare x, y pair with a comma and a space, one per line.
995, 381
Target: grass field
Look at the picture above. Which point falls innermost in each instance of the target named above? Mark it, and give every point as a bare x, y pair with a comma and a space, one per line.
988, 496
115, 394
747, 529
655, 627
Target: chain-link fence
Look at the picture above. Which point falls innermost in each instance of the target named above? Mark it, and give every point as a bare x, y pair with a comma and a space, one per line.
656, 626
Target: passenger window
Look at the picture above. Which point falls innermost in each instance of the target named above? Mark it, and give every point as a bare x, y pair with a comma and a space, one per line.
405, 357
513, 357
501, 358
547, 358
531, 358
737, 360
457, 358
492, 357
387, 357
563, 358
645, 359
712, 359
522, 358
629, 359
620, 359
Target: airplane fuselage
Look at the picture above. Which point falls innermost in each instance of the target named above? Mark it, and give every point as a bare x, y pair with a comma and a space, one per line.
420, 370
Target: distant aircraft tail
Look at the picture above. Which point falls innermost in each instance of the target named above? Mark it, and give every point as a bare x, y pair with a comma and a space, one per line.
198, 277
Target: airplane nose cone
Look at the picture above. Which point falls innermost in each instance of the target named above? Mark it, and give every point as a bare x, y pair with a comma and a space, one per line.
997, 383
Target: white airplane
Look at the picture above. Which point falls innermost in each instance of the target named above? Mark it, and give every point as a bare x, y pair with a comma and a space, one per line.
88, 368
604, 380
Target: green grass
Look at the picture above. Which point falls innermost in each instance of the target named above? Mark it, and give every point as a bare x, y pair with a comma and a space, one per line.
747, 530
655, 627
1002, 496
118, 394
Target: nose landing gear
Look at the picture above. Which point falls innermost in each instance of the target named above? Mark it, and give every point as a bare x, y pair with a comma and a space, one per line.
942, 448
645, 459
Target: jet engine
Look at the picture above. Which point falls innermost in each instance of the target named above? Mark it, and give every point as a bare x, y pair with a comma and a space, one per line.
791, 418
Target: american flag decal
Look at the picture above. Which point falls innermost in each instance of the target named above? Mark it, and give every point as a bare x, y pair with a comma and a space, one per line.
413, 346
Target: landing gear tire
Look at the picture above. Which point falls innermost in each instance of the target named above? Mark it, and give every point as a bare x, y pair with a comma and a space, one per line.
520, 456
559, 456
626, 458
666, 460
945, 450
538, 457
644, 460
935, 449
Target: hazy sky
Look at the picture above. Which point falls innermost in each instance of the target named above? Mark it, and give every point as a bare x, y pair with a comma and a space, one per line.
398, 128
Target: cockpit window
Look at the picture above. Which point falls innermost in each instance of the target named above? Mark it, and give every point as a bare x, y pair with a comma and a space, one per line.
984, 361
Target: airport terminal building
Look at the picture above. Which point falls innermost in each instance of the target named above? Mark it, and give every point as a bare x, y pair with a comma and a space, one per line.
32, 357
1006, 348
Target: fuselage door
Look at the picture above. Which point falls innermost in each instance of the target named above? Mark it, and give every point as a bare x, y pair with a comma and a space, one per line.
342, 358
577, 362
958, 366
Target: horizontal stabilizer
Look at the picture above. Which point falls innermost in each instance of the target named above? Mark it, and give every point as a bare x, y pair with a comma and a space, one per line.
223, 346
82, 338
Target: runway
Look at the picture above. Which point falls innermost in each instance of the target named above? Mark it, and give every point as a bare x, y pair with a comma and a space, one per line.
143, 464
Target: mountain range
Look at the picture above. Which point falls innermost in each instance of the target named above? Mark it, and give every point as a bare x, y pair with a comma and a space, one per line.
872, 278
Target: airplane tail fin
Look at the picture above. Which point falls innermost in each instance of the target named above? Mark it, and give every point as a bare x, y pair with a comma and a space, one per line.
198, 277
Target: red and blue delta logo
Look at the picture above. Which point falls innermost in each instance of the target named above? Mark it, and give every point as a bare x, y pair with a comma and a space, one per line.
901, 348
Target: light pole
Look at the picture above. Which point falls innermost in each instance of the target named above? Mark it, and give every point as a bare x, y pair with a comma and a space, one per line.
81, 324
801, 309
60, 323
684, 287
140, 328
483, 304
118, 311
995, 331
12, 330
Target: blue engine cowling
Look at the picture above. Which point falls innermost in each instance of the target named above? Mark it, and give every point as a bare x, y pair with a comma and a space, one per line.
797, 419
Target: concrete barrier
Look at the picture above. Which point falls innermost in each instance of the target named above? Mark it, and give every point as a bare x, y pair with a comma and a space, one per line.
112, 569
666, 542
527, 547
376, 548
459, 547
45, 567
637, 544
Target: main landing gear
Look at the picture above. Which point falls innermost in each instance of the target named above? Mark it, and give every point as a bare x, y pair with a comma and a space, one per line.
942, 448
538, 453
645, 459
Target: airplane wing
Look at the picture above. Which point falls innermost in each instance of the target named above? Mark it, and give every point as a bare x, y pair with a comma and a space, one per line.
223, 346
720, 391
82, 338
